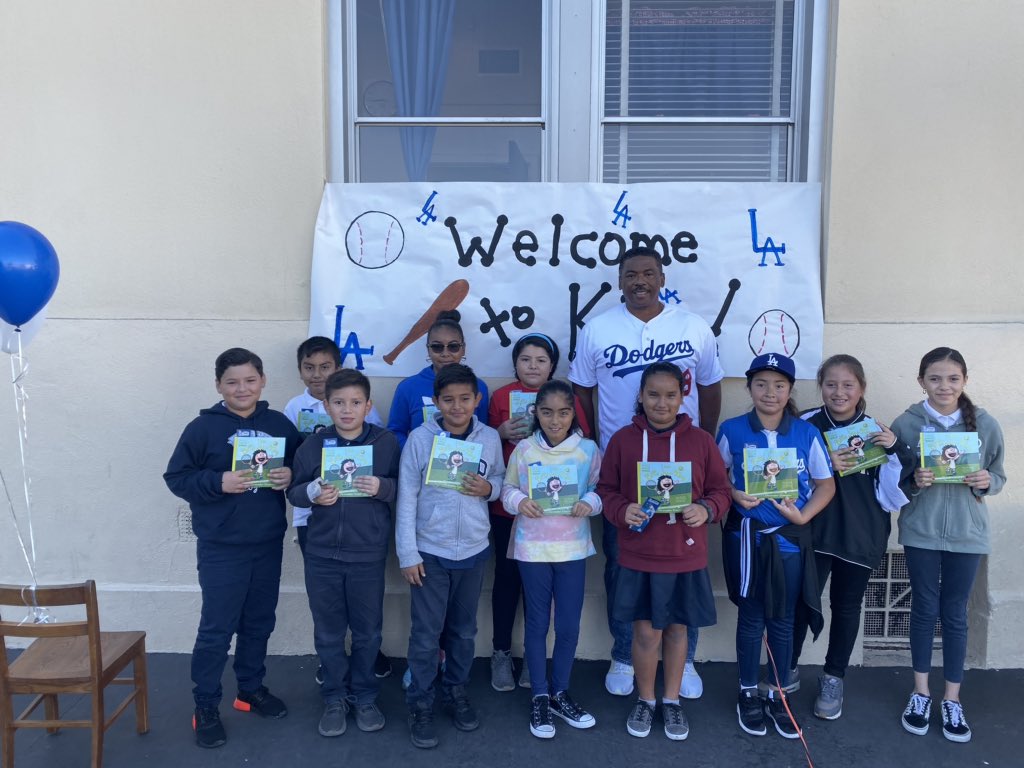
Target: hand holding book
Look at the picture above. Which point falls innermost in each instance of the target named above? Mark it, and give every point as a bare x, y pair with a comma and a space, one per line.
475, 485
238, 481
530, 508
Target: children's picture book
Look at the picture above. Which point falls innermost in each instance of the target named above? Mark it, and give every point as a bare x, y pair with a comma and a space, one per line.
771, 473
855, 437
554, 487
950, 455
258, 455
450, 460
668, 482
522, 405
340, 466
309, 422
428, 413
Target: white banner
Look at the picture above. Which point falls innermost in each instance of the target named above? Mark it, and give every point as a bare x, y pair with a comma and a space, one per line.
512, 258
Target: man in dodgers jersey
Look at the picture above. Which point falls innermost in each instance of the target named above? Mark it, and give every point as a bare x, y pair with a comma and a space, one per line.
612, 351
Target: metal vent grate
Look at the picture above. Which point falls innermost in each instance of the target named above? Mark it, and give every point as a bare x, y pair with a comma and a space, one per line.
887, 605
185, 525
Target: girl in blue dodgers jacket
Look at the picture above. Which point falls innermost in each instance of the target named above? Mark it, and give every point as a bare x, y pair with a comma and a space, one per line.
239, 538
769, 562
413, 400
441, 536
852, 532
552, 551
944, 531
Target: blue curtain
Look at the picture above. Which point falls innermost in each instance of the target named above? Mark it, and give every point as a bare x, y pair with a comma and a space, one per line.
419, 40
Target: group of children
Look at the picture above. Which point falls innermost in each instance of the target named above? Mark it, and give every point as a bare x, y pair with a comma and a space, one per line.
778, 553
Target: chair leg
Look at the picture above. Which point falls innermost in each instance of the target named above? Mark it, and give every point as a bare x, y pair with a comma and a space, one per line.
52, 710
99, 718
141, 692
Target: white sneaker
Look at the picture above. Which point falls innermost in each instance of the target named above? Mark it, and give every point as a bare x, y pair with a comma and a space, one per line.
692, 686
619, 680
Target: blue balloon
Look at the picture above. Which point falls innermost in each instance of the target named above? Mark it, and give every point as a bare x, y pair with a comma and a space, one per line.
29, 271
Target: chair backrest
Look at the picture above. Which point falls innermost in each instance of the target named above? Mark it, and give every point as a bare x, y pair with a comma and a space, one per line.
28, 598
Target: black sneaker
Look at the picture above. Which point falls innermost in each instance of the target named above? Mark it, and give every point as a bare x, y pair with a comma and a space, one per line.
563, 705
917, 714
954, 724
677, 728
456, 703
640, 719
784, 722
333, 721
369, 718
421, 728
208, 727
381, 666
542, 724
750, 712
262, 702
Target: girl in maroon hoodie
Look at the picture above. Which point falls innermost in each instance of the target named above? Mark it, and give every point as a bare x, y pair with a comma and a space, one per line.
663, 583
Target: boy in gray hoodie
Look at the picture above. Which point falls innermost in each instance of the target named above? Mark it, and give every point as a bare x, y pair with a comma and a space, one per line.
441, 536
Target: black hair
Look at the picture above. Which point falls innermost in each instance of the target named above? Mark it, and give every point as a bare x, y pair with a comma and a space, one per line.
315, 344
966, 405
538, 340
791, 408
556, 387
346, 377
854, 366
457, 373
640, 250
237, 356
654, 368
448, 319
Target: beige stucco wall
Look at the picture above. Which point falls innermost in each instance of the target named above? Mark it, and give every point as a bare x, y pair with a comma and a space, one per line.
174, 154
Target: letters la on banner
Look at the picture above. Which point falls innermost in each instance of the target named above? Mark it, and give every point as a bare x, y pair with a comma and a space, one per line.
387, 258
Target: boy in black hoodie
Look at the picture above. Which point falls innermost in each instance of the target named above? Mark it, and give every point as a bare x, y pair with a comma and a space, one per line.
239, 530
347, 545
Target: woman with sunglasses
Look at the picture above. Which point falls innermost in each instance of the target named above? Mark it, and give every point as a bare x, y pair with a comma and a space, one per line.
413, 401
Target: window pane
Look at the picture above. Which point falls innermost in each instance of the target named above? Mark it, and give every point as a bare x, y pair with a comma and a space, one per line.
449, 154
442, 58
699, 58
695, 153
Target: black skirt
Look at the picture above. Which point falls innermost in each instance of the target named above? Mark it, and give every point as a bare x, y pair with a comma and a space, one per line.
665, 598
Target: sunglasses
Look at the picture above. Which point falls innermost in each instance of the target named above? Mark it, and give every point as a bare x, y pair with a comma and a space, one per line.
453, 347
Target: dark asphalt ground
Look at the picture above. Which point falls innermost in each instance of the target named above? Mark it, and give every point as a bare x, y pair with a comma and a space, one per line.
868, 733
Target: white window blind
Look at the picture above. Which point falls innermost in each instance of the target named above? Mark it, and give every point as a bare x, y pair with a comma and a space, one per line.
698, 90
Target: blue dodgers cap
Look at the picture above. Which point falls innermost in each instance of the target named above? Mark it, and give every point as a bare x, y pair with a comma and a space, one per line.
773, 361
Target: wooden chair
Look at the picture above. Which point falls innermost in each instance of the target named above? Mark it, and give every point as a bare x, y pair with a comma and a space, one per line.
67, 657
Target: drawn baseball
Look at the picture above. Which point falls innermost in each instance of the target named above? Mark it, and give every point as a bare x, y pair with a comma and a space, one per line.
774, 331
374, 239
448, 299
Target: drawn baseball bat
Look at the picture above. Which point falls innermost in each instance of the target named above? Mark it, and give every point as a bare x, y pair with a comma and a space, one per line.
448, 299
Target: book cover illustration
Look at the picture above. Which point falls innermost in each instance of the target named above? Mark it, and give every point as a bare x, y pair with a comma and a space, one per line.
522, 405
450, 460
950, 455
309, 423
340, 466
855, 437
258, 455
428, 413
771, 473
668, 482
554, 487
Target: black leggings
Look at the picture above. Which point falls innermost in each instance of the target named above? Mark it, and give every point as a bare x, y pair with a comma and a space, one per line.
508, 586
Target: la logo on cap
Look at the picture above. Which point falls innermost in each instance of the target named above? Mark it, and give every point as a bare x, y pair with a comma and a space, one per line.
773, 361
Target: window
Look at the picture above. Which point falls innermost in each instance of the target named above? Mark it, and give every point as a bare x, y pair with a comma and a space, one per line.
699, 90
446, 91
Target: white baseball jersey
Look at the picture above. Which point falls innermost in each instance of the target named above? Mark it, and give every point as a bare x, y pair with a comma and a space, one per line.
614, 348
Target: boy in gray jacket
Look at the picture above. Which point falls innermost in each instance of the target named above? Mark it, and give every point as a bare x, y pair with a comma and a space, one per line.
442, 542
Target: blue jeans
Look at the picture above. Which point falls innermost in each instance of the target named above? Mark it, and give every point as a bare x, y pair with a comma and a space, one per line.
447, 601
346, 596
240, 585
751, 622
543, 583
940, 584
622, 631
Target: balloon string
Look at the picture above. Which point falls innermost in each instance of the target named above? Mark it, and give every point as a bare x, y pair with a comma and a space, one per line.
19, 369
